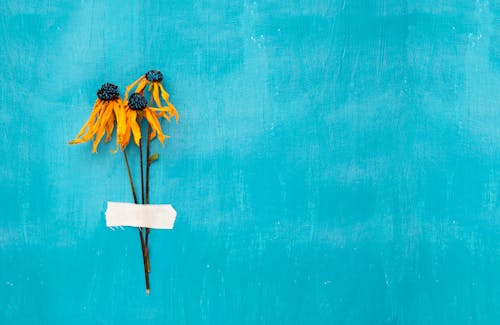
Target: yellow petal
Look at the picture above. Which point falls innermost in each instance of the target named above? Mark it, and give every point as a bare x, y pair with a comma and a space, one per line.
155, 124
93, 115
165, 96
164, 115
136, 130
152, 135
156, 95
164, 93
124, 129
129, 87
161, 111
93, 128
110, 124
89, 124
101, 129
76, 141
109, 128
173, 112
125, 139
98, 136
121, 118
141, 86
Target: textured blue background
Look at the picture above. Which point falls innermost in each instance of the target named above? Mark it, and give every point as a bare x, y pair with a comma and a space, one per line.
335, 162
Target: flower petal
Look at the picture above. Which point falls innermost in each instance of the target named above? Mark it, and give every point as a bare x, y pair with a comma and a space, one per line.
155, 124
136, 130
88, 126
105, 117
165, 96
156, 95
109, 127
129, 87
141, 86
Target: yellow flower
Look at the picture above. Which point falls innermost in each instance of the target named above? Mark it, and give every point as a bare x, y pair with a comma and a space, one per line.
152, 79
137, 108
107, 108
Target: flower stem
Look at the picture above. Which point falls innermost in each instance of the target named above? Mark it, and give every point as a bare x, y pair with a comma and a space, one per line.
130, 176
148, 150
142, 170
143, 242
148, 164
145, 259
143, 246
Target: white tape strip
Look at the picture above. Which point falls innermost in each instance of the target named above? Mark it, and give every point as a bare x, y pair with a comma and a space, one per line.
160, 216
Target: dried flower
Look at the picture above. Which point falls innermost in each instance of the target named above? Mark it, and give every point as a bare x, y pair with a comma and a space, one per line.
135, 109
108, 108
152, 79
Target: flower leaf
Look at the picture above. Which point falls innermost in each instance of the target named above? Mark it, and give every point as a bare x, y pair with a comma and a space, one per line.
153, 157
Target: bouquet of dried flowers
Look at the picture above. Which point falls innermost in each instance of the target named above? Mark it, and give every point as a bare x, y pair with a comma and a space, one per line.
149, 102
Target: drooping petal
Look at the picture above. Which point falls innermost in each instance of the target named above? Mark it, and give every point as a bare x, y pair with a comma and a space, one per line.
121, 118
95, 126
162, 112
125, 137
156, 95
109, 127
173, 112
123, 131
111, 121
96, 109
165, 96
141, 86
92, 127
169, 109
102, 126
89, 124
155, 124
136, 130
117, 112
76, 141
152, 135
164, 115
129, 87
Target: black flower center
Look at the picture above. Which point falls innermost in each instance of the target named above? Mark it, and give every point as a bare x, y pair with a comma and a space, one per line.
137, 102
108, 92
154, 75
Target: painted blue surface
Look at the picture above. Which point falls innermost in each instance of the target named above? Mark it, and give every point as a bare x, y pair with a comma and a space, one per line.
336, 162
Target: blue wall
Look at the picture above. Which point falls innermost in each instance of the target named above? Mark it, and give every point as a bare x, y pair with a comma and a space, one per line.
336, 162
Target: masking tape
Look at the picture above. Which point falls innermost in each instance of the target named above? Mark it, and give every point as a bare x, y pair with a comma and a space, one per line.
159, 216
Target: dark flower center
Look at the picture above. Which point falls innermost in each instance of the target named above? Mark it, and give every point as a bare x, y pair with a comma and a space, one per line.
137, 102
154, 75
108, 92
